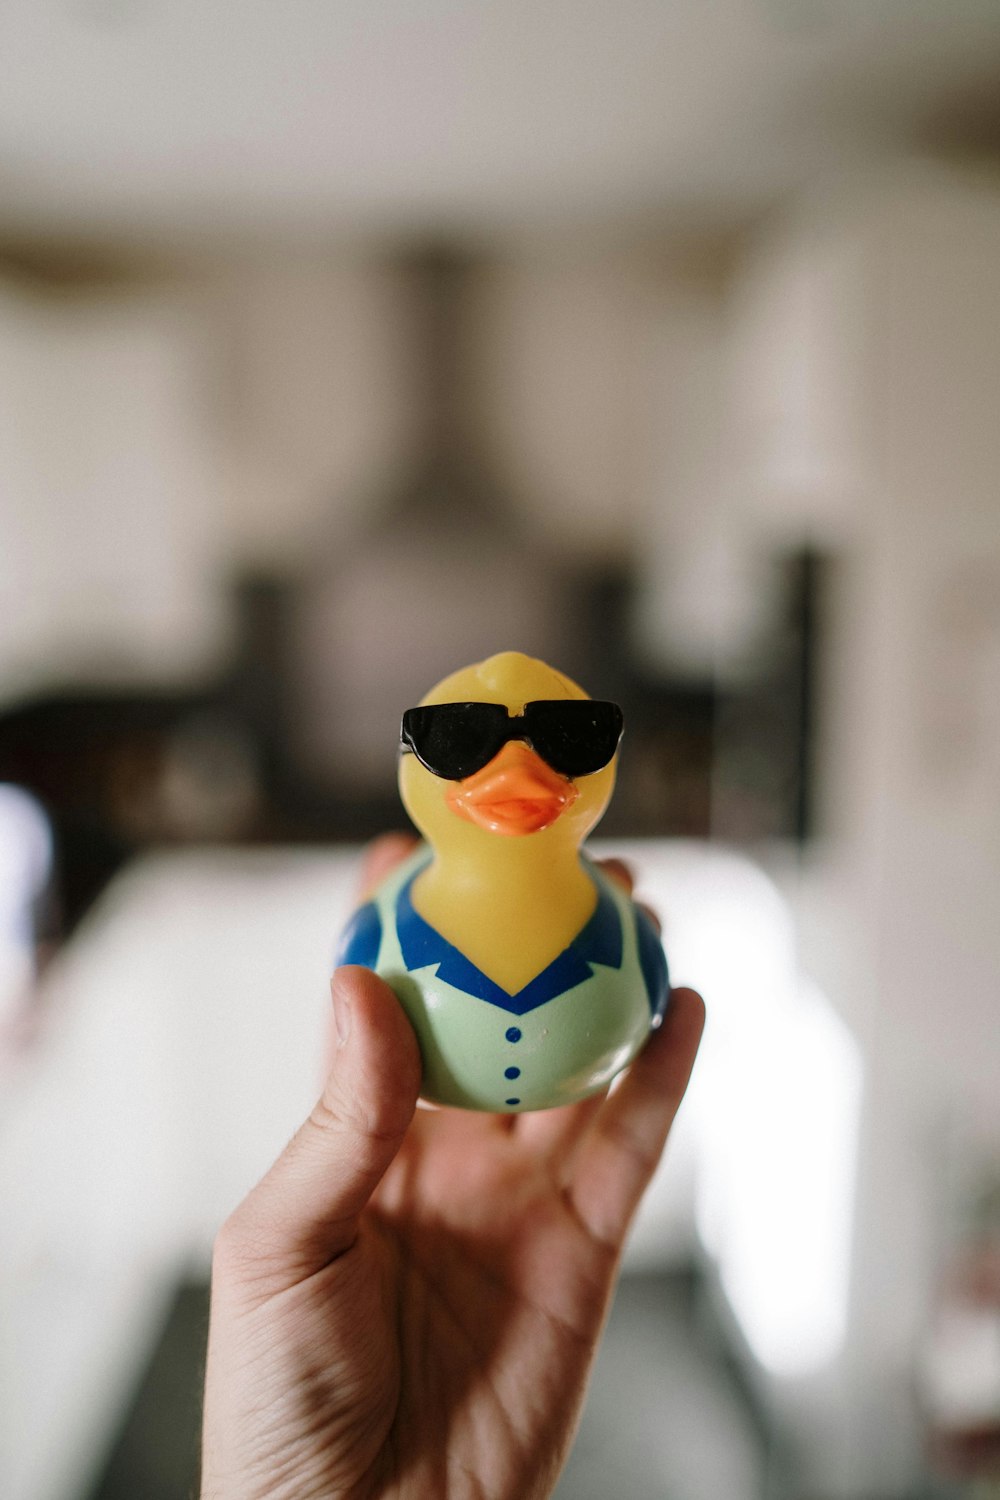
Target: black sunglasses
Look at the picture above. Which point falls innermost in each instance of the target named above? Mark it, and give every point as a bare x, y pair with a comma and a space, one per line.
575, 736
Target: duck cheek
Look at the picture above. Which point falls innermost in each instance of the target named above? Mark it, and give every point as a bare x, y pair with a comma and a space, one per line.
594, 796
423, 796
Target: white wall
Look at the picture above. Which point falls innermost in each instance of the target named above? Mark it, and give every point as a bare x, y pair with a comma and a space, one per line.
315, 394
567, 347
869, 423
110, 544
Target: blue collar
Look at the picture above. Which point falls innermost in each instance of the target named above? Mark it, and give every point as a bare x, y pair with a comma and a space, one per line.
600, 942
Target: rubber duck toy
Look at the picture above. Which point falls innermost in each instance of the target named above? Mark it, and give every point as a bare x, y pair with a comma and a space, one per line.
530, 977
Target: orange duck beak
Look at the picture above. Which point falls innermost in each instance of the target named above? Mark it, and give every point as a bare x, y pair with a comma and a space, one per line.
516, 793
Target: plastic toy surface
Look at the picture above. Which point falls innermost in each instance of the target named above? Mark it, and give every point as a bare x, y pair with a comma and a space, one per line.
530, 978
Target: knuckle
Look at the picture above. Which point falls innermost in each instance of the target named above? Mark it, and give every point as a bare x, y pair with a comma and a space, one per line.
347, 1115
632, 1147
233, 1247
243, 1255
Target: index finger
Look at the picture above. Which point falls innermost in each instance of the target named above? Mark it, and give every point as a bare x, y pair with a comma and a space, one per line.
622, 1147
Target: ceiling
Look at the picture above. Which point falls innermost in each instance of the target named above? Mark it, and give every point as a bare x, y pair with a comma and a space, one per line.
180, 119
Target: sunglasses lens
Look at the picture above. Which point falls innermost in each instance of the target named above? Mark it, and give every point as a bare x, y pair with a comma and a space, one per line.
454, 740
577, 737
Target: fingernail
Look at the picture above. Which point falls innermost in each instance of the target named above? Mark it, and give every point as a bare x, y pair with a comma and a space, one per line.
341, 1011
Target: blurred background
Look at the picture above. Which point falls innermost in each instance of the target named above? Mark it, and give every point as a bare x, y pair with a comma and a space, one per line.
342, 344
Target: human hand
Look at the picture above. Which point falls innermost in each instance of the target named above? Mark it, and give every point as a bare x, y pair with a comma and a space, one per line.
409, 1303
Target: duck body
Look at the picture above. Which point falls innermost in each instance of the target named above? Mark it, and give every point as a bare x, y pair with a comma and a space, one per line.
530, 978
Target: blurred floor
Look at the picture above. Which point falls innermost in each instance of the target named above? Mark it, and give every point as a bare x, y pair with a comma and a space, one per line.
665, 1419
155, 1456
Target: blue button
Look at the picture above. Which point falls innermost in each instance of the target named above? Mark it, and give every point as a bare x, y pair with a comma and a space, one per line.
512, 1101
513, 1034
512, 1072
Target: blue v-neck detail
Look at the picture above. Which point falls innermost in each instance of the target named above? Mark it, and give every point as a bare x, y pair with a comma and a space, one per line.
599, 942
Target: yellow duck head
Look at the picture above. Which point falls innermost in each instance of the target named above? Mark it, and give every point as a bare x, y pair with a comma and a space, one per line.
516, 793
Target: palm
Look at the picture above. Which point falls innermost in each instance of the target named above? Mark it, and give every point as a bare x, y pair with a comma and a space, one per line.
497, 1275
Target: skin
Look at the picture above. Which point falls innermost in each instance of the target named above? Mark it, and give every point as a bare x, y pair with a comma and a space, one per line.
409, 1303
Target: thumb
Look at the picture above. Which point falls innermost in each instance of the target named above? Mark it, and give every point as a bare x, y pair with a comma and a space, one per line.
305, 1211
